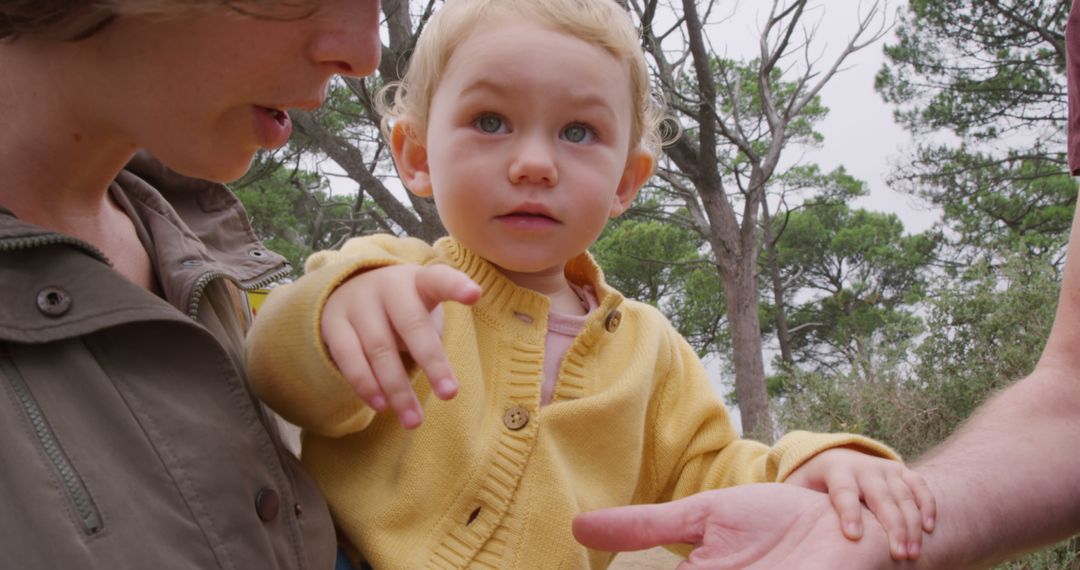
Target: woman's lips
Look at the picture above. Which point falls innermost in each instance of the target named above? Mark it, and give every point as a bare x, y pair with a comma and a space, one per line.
272, 127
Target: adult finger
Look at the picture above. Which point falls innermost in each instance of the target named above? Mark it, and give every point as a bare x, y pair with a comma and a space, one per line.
639, 527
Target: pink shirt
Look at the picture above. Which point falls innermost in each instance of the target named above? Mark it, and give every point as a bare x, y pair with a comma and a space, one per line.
561, 331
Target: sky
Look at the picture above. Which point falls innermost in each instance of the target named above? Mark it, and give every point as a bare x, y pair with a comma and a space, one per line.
859, 131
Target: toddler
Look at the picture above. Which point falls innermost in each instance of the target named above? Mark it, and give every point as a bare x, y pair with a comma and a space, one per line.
531, 124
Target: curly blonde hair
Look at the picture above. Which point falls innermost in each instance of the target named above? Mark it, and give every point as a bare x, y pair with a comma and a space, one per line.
599, 22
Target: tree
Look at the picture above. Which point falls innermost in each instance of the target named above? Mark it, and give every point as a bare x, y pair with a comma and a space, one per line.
663, 264
861, 279
295, 212
782, 282
991, 75
738, 120
980, 336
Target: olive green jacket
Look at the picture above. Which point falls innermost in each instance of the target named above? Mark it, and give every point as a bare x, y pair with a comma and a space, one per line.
129, 436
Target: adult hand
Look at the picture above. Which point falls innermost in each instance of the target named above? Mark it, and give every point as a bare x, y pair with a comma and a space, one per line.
768, 525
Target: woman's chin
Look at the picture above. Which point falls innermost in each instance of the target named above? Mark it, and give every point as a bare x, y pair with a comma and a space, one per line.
221, 168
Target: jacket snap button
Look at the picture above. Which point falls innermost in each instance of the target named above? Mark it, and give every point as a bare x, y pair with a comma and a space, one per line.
267, 504
53, 301
612, 321
516, 417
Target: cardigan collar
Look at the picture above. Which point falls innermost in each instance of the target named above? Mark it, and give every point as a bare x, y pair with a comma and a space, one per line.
500, 293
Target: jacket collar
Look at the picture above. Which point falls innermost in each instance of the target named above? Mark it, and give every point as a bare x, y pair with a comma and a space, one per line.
199, 229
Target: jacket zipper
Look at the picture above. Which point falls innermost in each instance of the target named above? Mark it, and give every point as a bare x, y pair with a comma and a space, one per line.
206, 278
14, 244
70, 480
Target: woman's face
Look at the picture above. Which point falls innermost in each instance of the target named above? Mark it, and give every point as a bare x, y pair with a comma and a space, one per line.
206, 90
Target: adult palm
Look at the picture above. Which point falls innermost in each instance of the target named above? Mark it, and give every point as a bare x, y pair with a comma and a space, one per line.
769, 525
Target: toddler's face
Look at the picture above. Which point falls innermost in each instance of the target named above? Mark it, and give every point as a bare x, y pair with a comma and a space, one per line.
528, 145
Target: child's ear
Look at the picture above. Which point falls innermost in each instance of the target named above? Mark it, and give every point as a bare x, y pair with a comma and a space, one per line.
639, 167
410, 156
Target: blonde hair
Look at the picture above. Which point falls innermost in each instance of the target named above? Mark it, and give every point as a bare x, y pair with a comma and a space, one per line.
602, 23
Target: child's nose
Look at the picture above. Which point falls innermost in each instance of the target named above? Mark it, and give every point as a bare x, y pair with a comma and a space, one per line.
534, 163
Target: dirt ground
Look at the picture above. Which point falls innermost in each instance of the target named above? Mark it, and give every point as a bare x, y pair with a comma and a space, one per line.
655, 559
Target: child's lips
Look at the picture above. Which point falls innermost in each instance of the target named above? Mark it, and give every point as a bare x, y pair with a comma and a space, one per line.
528, 220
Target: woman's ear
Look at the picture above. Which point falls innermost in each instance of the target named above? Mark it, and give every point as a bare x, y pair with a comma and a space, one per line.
410, 156
639, 167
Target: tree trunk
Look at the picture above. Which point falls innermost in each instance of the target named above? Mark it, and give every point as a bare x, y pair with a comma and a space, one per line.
773, 266
743, 315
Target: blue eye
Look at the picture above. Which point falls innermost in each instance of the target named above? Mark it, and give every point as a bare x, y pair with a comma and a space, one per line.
490, 124
577, 133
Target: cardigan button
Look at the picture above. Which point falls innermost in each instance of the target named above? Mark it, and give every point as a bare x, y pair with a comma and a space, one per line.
53, 301
612, 321
267, 504
516, 417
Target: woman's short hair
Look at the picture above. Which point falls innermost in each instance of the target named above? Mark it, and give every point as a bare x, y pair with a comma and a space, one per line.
77, 19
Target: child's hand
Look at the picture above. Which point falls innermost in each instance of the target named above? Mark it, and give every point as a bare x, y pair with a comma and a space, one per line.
375, 316
898, 496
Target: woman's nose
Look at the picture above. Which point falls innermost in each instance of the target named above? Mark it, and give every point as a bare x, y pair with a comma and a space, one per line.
347, 40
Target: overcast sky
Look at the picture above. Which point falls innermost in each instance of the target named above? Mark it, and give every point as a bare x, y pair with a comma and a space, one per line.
859, 131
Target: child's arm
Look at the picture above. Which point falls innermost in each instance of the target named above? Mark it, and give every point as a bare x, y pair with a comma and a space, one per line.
697, 448
372, 320
294, 371
898, 496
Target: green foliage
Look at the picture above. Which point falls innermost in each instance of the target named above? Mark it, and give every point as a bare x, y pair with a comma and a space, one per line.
739, 103
859, 277
293, 212
740, 95
833, 186
1063, 556
661, 263
992, 74
978, 69
984, 331
987, 330
995, 205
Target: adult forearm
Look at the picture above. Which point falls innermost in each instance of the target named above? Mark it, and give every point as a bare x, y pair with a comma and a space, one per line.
1009, 480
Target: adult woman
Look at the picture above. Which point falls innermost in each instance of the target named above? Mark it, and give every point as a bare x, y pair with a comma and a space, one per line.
131, 439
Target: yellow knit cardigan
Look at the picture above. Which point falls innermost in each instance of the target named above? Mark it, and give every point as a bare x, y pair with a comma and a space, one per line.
491, 479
